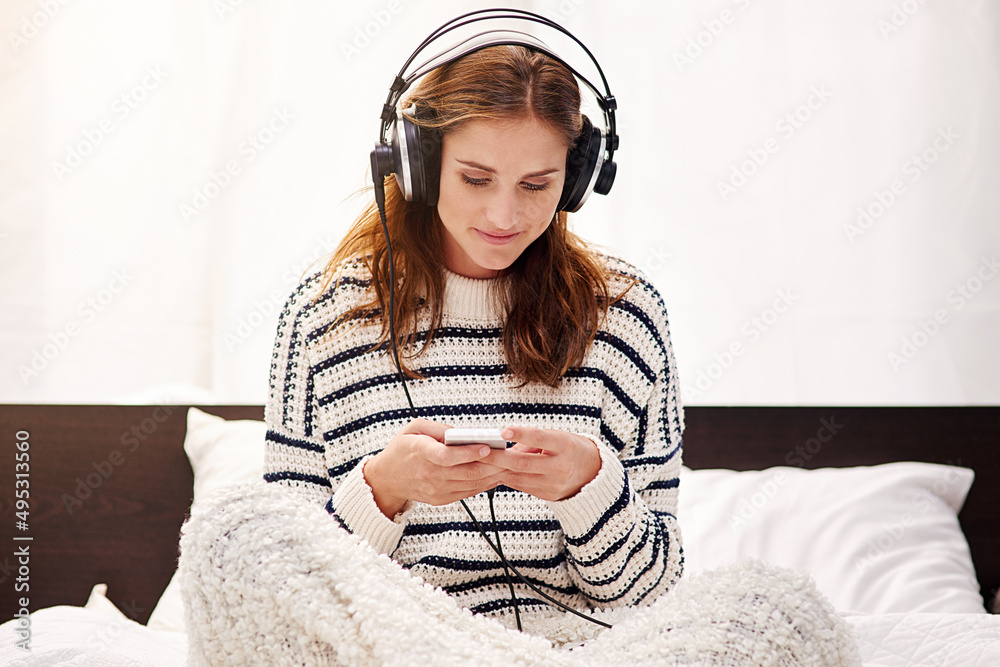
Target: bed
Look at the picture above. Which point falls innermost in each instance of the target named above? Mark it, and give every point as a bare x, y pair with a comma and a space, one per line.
877, 503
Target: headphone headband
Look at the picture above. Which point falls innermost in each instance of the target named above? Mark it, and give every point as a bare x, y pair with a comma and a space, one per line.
483, 40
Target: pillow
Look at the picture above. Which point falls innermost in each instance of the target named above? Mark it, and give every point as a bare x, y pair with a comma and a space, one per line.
877, 539
99, 602
221, 453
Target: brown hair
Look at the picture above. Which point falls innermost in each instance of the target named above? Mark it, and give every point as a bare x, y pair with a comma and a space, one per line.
555, 294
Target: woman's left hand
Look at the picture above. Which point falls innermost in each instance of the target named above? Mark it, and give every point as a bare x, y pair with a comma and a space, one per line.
545, 463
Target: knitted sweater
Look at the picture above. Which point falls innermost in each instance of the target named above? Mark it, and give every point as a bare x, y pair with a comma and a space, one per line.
333, 403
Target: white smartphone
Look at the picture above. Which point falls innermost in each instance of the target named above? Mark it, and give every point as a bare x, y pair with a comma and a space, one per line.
475, 436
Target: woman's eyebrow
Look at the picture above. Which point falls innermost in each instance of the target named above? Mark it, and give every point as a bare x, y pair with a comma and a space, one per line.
491, 170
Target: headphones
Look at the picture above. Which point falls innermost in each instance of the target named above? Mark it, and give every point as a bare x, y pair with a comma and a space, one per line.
413, 152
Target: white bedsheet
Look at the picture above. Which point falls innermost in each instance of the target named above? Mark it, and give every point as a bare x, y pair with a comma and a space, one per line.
928, 640
74, 636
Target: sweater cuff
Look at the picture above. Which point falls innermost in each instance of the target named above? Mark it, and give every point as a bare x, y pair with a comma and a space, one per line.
355, 505
578, 514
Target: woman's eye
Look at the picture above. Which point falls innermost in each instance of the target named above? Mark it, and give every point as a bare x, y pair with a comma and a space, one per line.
536, 187
475, 182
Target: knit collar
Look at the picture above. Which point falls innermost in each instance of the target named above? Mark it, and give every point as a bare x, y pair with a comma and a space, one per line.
470, 298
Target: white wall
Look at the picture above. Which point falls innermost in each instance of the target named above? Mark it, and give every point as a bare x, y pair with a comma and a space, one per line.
133, 267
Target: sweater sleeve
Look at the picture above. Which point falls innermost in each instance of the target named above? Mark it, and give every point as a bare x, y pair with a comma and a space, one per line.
295, 449
622, 537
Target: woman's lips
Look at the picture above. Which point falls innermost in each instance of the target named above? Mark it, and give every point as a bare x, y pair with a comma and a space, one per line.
496, 239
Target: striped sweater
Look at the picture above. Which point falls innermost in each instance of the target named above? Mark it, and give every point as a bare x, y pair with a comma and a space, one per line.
333, 403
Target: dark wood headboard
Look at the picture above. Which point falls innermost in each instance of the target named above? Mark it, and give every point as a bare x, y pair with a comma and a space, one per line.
110, 485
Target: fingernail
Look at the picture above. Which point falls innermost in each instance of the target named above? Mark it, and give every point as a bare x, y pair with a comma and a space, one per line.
507, 434
484, 452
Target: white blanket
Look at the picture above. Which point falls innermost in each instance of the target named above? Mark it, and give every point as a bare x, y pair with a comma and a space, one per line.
70, 636
267, 579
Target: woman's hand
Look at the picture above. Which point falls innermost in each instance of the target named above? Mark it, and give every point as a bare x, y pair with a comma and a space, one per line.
416, 465
548, 464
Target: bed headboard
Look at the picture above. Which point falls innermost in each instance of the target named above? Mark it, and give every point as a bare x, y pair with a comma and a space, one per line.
110, 485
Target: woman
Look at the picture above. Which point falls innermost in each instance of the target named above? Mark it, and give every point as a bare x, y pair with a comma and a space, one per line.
505, 319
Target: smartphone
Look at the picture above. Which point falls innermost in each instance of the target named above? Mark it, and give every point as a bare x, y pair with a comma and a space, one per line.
475, 436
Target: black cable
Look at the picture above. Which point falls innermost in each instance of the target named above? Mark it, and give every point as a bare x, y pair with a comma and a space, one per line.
508, 568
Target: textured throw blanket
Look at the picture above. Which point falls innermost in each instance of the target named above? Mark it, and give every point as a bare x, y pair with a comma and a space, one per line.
269, 579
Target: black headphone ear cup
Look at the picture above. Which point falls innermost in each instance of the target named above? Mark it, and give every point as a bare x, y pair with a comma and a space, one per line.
429, 141
581, 162
606, 178
419, 165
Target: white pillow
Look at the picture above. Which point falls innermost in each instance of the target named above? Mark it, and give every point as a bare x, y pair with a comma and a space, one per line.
221, 453
877, 539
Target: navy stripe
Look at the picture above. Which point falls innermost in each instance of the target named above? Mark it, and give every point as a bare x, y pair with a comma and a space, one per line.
610, 551
638, 546
650, 461
654, 557
641, 315
666, 550
468, 527
611, 437
462, 410
294, 343
465, 565
663, 484
501, 580
345, 467
629, 351
456, 371
506, 603
332, 511
277, 438
351, 280
283, 475
309, 415
620, 504
610, 385
640, 437
442, 333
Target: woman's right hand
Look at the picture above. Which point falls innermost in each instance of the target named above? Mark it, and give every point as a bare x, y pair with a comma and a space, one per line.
417, 465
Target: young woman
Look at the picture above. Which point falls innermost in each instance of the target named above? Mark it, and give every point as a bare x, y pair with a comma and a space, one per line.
504, 319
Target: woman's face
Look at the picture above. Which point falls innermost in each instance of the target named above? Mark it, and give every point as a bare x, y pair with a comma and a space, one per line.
500, 184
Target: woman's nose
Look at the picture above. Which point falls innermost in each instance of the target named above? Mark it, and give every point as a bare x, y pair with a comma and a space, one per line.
503, 211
